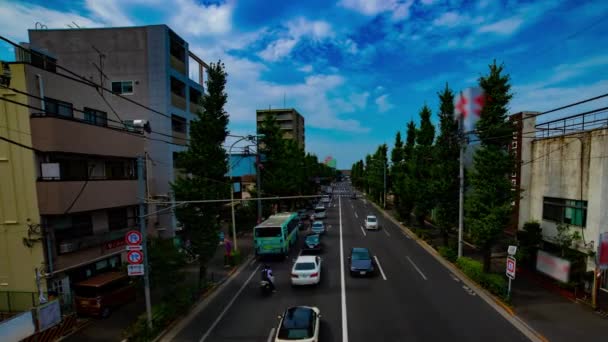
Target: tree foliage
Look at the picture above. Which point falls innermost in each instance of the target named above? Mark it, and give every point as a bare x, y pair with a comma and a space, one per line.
488, 204
422, 166
205, 164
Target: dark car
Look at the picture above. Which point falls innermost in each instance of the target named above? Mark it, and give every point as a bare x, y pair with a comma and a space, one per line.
312, 243
361, 262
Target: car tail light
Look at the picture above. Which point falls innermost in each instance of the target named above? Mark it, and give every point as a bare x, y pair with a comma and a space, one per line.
314, 275
294, 275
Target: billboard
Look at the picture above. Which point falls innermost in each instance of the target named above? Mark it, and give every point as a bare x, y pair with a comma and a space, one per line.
554, 267
602, 251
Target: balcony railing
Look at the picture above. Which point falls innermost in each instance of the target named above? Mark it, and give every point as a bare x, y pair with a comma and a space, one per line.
177, 64
575, 123
178, 101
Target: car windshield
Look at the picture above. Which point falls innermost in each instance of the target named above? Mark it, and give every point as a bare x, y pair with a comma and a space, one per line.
317, 224
360, 255
297, 324
371, 219
312, 238
268, 232
319, 210
305, 266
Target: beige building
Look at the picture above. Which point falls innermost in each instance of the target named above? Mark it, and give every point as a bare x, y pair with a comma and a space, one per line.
563, 177
290, 121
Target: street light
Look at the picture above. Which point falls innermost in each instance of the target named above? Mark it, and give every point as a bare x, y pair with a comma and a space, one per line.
251, 138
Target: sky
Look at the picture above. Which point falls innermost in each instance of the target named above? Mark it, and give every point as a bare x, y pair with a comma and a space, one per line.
360, 70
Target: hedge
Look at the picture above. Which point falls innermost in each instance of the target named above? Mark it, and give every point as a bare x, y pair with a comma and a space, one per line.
495, 283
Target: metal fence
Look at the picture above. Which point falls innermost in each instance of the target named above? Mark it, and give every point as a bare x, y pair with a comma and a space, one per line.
576, 123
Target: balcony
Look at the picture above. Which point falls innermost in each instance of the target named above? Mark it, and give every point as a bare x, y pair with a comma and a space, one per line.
178, 101
65, 134
177, 64
54, 197
195, 108
76, 251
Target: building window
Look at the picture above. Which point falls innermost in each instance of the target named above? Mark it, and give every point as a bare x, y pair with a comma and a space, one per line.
59, 108
95, 117
119, 169
178, 124
118, 218
567, 211
70, 227
122, 87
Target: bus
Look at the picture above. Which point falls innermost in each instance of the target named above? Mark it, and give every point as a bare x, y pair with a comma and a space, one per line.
277, 235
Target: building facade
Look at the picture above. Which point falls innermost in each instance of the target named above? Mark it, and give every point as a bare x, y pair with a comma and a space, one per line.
79, 178
290, 121
152, 66
564, 181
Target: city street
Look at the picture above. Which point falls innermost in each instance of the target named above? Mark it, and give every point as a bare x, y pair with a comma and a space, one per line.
412, 297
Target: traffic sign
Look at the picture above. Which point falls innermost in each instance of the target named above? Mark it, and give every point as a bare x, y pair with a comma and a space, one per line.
135, 257
136, 270
133, 237
512, 250
511, 266
134, 247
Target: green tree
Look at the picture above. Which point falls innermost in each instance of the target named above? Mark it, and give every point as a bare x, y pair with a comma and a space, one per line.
396, 167
489, 201
423, 164
404, 183
165, 265
206, 163
446, 167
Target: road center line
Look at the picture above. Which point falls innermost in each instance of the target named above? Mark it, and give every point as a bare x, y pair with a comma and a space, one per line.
363, 231
386, 232
342, 281
380, 267
416, 267
219, 317
271, 335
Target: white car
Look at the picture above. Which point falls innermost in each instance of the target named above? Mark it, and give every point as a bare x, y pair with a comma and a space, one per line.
299, 323
306, 270
371, 222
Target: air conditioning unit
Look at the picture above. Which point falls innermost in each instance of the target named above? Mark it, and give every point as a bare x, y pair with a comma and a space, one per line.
67, 247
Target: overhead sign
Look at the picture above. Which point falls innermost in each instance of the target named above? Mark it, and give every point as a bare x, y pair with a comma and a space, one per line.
602, 251
133, 237
135, 270
553, 266
135, 257
511, 267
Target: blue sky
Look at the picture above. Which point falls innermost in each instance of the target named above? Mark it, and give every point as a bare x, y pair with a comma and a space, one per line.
359, 70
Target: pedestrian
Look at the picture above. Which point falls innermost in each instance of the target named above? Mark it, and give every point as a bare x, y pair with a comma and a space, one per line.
227, 252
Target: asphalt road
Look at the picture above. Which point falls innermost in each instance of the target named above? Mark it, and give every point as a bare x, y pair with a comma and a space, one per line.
414, 298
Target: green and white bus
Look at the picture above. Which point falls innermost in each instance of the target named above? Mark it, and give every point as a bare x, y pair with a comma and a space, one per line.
277, 235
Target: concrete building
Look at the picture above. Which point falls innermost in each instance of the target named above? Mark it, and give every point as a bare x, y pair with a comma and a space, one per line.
289, 120
564, 180
150, 65
75, 196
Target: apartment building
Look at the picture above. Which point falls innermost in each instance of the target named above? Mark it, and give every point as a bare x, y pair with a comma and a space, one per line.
290, 121
72, 196
152, 66
563, 177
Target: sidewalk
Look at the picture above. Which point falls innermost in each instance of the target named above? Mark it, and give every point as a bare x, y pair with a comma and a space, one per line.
111, 329
555, 317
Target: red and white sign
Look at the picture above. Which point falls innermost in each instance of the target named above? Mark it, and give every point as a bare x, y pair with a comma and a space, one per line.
135, 257
468, 105
553, 266
133, 237
511, 267
135, 270
602, 251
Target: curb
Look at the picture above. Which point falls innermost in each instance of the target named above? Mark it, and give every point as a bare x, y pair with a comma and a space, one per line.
503, 308
208, 293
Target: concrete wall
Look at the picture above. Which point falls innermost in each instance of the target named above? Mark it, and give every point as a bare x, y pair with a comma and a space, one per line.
18, 198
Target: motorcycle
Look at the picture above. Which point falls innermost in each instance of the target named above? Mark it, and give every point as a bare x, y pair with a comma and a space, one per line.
265, 287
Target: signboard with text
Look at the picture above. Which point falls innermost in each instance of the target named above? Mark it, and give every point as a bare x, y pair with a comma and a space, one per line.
135, 270
554, 267
602, 251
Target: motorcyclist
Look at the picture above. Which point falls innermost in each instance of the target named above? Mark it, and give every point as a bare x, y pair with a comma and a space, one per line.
267, 276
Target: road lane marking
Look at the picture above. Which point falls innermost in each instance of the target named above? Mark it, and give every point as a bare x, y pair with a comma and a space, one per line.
455, 278
342, 282
271, 335
219, 318
380, 267
363, 231
252, 262
416, 267
386, 232
357, 216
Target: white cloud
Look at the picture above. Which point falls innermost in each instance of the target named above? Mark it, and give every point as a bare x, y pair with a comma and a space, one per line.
196, 19
428, 2
503, 27
400, 9
297, 29
350, 46
278, 49
18, 18
109, 11
383, 103
450, 19
306, 68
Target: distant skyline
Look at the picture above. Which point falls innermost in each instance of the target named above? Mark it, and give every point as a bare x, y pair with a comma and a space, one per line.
359, 70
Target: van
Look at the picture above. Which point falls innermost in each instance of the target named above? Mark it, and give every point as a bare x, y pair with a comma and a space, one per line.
97, 296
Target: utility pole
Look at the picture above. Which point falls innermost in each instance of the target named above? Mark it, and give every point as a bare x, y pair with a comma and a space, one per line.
141, 192
384, 192
461, 188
